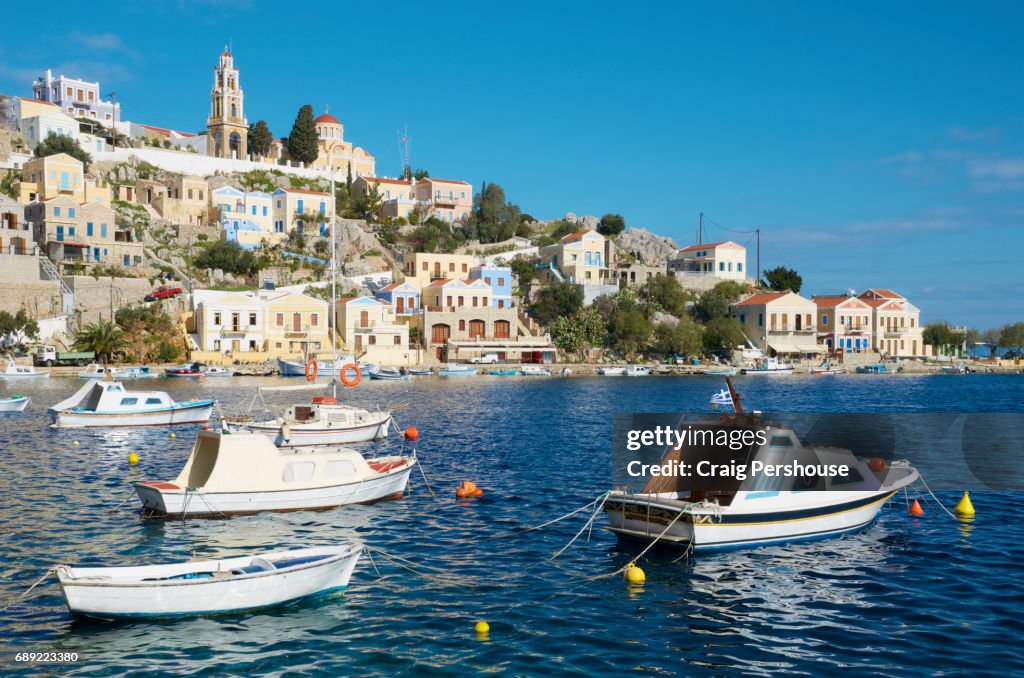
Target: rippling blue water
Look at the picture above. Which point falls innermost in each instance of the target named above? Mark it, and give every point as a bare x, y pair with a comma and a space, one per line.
907, 595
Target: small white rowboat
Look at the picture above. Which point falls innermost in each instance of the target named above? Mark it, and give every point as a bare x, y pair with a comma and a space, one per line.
14, 403
206, 587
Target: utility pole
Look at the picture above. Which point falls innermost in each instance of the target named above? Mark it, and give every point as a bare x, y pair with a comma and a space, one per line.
700, 230
113, 126
758, 279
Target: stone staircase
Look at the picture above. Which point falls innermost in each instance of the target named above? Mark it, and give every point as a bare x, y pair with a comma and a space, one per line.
48, 271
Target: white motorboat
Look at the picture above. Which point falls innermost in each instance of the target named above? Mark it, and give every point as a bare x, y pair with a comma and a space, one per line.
138, 372
207, 587
15, 371
828, 368
954, 369
612, 371
752, 509
637, 371
231, 473
456, 370
420, 372
535, 371
768, 367
322, 422
15, 403
725, 371
214, 371
389, 374
107, 403
324, 368
97, 371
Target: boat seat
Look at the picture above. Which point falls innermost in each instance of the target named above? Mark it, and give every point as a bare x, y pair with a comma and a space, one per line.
385, 466
263, 564
292, 562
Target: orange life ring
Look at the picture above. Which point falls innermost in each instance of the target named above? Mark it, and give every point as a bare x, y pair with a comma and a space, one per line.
344, 375
311, 369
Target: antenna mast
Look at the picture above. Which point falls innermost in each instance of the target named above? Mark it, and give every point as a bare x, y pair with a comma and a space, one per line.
403, 149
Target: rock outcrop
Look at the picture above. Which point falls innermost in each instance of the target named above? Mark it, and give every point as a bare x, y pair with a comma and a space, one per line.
646, 246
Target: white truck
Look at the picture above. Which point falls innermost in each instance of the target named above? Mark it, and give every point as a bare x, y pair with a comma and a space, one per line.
489, 358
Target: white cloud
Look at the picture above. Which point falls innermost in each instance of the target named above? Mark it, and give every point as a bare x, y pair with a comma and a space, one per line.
966, 134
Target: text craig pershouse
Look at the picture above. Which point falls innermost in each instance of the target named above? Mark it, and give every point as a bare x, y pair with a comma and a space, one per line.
735, 471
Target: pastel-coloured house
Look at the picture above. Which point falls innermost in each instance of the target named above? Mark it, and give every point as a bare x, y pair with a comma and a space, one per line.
403, 296
308, 212
499, 279
369, 327
780, 323
844, 323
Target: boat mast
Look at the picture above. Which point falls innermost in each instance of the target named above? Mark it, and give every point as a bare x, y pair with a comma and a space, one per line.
332, 316
736, 404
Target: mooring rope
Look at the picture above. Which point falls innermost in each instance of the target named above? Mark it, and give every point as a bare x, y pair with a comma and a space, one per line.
951, 514
31, 588
590, 521
641, 554
515, 533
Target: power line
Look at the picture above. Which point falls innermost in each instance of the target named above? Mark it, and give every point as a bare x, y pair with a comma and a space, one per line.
731, 230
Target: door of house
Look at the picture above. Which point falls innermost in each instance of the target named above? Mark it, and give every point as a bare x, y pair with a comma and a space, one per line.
400, 304
236, 345
476, 329
359, 342
364, 318
439, 352
502, 329
439, 333
296, 322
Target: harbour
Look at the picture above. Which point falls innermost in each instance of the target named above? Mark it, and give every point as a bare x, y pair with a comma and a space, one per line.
883, 599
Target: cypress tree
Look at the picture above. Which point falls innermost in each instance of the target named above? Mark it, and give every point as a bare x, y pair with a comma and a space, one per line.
302, 142
260, 138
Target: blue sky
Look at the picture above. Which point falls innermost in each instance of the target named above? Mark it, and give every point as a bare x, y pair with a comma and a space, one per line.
875, 144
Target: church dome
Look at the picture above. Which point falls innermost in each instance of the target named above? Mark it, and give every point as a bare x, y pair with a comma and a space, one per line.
327, 119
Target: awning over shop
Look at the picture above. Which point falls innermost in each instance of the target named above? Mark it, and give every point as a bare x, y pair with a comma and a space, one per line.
797, 348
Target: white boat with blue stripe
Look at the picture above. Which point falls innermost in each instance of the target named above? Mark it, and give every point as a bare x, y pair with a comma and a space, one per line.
756, 509
107, 403
198, 588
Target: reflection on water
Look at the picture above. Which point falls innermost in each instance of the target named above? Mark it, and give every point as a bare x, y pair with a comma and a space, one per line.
905, 594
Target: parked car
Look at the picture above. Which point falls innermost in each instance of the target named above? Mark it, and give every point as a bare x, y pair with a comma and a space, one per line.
485, 359
165, 292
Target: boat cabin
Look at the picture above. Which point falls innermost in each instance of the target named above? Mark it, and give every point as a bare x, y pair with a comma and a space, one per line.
111, 396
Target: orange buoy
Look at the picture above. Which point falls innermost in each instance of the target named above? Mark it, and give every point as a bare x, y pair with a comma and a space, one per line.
478, 492
876, 464
468, 490
344, 375
915, 509
411, 433
311, 369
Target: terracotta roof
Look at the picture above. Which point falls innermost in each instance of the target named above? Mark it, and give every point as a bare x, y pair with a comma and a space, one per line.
37, 101
445, 181
830, 300
704, 246
885, 294
762, 298
67, 243
381, 180
327, 118
392, 286
572, 237
303, 191
438, 283
159, 130
878, 303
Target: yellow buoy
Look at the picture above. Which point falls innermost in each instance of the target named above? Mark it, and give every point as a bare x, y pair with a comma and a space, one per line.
965, 509
173, 436
634, 575
482, 628
75, 443
133, 459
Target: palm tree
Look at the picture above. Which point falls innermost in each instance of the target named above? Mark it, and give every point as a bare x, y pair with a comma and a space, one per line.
103, 338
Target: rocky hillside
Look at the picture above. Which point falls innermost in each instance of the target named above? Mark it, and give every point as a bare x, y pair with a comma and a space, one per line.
648, 247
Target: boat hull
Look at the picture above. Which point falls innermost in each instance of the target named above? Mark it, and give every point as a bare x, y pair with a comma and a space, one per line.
13, 404
301, 436
645, 517
159, 500
767, 373
25, 375
208, 596
188, 413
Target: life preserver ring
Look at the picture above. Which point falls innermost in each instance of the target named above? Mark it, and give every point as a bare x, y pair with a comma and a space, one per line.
311, 369
344, 375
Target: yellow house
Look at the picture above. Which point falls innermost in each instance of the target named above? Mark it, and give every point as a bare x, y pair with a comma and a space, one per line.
259, 324
582, 258
187, 200
397, 195
308, 212
781, 323
59, 174
844, 323
719, 260
335, 152
895, 324
446, 199
422, 268
369, 328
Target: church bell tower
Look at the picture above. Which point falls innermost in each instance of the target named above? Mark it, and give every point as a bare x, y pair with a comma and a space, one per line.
227, 129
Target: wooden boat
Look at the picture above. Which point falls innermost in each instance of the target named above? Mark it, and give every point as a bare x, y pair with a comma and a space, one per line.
207, 587
107, 403
828, 369
726, 371
767, 367
456, 370
535, 371
231, 473
389, 374
137, 372
877, 368
15, 371
322, 422
509, 372
188, 371
417, 372
756, 509
15, 403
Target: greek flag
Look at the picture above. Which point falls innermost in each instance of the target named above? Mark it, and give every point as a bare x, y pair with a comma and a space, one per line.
723, 397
